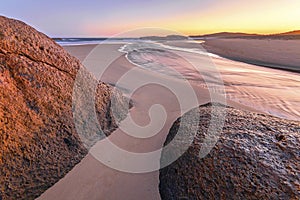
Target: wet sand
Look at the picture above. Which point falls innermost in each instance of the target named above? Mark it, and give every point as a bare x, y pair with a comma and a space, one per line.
253, 88
273, 91
91, 179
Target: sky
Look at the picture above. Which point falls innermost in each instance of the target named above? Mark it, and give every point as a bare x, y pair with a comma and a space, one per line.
99, 18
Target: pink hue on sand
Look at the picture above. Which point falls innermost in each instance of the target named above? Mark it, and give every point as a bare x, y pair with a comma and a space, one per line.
247, 84
273, 91
90, 179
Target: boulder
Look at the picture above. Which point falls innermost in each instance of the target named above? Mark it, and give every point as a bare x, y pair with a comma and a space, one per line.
38, 140
256, 157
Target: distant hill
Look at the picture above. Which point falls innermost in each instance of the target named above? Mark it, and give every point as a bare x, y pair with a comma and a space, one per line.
297, 32
226, 34
287, 35
168, 37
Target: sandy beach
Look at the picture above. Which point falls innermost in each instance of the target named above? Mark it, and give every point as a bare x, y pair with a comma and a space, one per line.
280, 54
91, 179
268, 89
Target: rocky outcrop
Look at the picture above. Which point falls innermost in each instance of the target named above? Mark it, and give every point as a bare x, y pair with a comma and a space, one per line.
38, 140
256, 157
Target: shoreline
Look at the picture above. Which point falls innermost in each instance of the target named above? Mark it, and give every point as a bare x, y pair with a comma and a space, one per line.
90, 178
258, 52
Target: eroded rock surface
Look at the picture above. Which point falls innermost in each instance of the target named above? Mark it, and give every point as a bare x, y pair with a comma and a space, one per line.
38, 140
256, 157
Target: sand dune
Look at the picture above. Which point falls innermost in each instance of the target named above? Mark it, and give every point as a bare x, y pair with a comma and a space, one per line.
281, 54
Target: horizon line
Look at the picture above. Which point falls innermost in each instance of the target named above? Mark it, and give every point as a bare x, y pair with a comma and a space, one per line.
186, 35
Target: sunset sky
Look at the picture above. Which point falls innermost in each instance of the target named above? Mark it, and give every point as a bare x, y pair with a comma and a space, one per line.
79, 18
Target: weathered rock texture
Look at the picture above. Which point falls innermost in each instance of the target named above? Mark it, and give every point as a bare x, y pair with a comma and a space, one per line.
38, 140
256, 157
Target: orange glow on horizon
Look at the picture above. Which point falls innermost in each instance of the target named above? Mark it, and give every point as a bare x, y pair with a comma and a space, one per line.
271, 17
265, 17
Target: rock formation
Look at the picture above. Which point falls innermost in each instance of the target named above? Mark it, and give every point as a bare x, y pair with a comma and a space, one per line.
256, 157
38, 140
